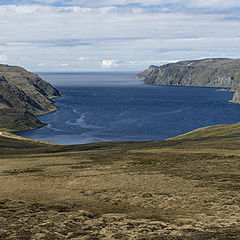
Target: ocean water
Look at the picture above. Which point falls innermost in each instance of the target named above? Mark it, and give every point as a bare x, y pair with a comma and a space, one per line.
113, 107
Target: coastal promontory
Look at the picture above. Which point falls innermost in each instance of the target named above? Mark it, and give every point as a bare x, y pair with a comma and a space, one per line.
23, 95
210, 72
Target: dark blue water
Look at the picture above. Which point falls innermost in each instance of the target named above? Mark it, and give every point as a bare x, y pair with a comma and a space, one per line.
113, 107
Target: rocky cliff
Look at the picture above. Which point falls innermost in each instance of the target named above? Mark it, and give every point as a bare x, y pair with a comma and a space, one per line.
212, 72
236, 96
22, 95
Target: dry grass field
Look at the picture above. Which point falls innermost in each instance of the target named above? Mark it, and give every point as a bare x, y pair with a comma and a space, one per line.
187, 187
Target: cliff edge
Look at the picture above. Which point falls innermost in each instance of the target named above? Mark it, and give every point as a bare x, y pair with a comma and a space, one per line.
211, 72
23, 95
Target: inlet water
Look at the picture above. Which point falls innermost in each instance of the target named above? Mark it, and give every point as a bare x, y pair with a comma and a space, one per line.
113, 107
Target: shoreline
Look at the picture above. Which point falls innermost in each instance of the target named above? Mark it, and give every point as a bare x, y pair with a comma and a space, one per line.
41, 114
12, 133
9, 134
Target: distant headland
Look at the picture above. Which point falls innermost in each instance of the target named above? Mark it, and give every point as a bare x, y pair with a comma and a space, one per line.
210, 72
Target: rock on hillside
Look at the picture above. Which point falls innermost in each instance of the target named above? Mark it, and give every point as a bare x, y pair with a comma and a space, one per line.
236, 96
26, 94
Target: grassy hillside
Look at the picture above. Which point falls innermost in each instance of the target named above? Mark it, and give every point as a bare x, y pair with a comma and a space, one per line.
212, 72
183, 188
25, 90
22, 96
14, 119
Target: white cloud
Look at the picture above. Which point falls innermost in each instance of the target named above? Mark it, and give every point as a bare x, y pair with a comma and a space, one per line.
45, 1
81, 37
3, 58
40, 64
83, 58
109, 63
108, 3
214, 4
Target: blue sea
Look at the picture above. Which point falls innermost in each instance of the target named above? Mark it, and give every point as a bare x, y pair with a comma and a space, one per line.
100, 107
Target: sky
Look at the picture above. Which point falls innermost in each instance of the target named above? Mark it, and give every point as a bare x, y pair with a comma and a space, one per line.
115, 35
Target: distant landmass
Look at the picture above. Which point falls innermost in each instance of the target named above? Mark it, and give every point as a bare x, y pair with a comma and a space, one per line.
23, 95
211, 72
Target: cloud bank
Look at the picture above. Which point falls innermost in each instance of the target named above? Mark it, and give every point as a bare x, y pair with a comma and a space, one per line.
55, 35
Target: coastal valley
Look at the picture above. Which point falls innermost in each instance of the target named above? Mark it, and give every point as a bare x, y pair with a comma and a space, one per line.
186, 187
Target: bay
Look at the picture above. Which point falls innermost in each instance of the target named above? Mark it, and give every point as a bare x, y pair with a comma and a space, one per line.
100, 107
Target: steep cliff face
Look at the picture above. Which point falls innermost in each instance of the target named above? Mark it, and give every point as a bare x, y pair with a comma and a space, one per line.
213, 72
149, 74
22, 89
236, 96
27, 95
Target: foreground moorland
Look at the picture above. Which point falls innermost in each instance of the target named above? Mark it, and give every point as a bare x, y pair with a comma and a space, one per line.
184, 188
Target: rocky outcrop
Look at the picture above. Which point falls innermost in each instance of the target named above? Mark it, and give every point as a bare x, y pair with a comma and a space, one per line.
22, 96
149, 74
212, 72
236, 96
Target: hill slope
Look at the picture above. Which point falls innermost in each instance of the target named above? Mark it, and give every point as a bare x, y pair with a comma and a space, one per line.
212, 72
182, 188
22, 95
